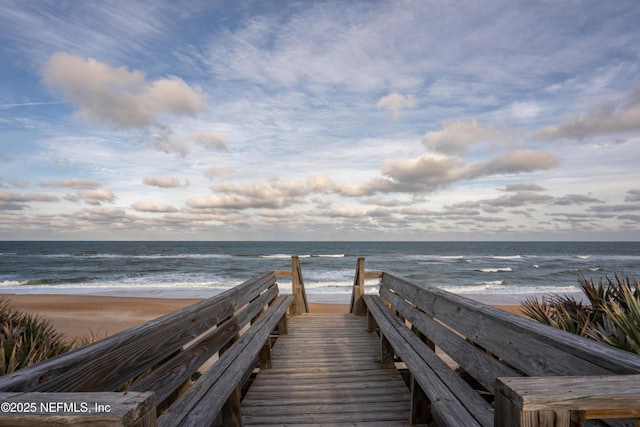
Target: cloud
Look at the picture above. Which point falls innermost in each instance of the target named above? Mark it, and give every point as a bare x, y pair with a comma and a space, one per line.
593, 125
524, 110
171, 144
75, 183
615, 208
96, 197
117, 96
457, 137
210, 140
514, 162
165, 140
518, 199
101, 216
168, 182
432, 170
273, 195
14, 201
576, 199
633, 196
212, 172
608, 120
523, 187
32, 197
153, 207
394, 102
16, 183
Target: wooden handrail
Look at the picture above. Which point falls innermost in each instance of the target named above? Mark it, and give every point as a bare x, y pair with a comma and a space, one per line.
300, 304
357, 307
565, 401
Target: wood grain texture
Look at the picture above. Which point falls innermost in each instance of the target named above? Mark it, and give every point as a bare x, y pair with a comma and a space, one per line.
109, 363
453, 401
327, 371
81, 409
546, 351
204, 400
476, 362
489, 343
591, 393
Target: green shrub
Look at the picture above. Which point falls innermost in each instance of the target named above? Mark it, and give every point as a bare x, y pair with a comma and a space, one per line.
26, 339
612, 314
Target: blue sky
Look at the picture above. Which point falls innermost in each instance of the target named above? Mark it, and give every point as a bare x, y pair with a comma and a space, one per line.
349, 120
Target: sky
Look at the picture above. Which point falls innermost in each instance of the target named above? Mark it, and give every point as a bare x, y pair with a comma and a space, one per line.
320, 120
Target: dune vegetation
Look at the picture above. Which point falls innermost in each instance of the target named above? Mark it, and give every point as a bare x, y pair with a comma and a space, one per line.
610, 312
26, 339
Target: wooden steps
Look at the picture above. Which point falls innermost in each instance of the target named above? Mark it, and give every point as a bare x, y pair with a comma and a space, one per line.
327, 371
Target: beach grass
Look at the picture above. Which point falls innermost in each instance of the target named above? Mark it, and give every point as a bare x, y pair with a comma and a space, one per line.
611, 313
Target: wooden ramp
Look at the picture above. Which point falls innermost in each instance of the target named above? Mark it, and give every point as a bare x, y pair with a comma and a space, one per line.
327, 371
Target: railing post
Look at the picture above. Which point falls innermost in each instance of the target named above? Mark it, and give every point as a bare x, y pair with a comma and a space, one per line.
300, 304
565, 401
357, 306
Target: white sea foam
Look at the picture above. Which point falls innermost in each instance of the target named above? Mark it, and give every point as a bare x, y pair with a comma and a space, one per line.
506, 257
281, 256
496, 270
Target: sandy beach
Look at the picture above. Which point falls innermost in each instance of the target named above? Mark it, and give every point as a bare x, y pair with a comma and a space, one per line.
84, 315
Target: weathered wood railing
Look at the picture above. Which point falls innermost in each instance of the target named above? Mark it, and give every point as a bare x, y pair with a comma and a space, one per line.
300, 304
497, 355
156, 372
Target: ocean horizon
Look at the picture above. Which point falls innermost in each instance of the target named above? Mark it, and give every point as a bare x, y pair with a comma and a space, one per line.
491, 272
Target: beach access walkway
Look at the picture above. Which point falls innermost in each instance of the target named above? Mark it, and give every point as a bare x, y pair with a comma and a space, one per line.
327, 371
255, 356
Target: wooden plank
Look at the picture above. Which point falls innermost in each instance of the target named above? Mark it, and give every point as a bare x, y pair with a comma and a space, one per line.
356, 377
166, 378
330, 419
174, 372
327, 373
446, 406
591, 393
476, 362
78, 409
313, 407
203, 402
282, 273
546, 351
323, 399
107, 364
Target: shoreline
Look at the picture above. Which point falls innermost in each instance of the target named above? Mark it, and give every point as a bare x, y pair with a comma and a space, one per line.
79, 316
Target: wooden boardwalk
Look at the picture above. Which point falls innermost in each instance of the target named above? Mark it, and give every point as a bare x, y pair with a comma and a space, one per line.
327, 371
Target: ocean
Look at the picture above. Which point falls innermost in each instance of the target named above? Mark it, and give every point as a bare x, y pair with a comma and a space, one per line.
491, 272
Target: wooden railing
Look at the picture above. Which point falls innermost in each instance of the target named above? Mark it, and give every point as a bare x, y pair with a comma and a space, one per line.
357, 307
157, 372
511, 371
300, 304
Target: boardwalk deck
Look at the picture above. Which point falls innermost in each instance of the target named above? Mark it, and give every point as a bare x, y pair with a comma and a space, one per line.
327, 371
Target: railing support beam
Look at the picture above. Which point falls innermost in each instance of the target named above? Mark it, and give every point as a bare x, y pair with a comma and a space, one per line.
300, 304
357, 306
